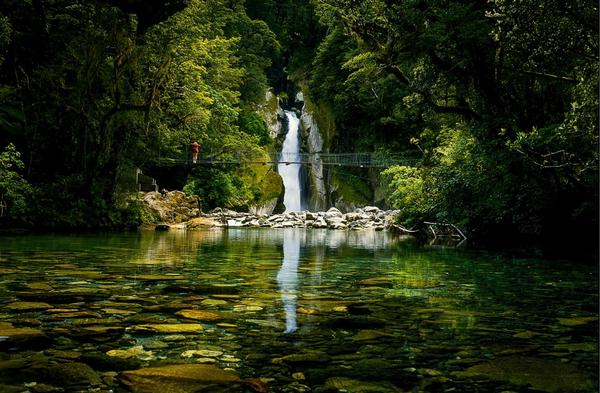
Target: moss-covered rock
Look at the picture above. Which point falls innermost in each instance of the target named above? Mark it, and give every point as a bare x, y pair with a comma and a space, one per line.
349, 192
66, 374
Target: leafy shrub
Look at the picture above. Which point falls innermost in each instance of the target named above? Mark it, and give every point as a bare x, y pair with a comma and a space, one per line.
15, 191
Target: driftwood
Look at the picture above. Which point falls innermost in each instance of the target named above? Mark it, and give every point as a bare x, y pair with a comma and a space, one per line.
444, 230
397, 228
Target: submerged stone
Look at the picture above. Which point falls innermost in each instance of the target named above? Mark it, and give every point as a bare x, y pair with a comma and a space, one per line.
102, 361
76, 314
137, 351
365, 335
14, 333
246, 308
542, 374
101, 330
174, 338
575, 347
227, 325
309, 357
39, 286
181, 378
67, 374
168, 328
526, 334
201, 315
205, 360
577, 321
205, 353
214, 302
116, 311
356, 386
28, 306
155, 344
306, 310
10, 388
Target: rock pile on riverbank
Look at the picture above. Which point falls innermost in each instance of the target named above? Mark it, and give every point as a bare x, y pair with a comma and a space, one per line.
171, 207
176, 210
369, 217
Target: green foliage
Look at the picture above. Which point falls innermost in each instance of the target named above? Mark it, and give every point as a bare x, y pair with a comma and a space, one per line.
15, 191
219, 188
5, 31
350, 188
406, 193
89, 90
500, 98
252, 124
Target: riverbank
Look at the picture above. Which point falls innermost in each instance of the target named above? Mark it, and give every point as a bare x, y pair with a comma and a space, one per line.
176, 211
369, 217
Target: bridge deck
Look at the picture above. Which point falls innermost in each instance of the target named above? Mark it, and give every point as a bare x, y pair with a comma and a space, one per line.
364, 160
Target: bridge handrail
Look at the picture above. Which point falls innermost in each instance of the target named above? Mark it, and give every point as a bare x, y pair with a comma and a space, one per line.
360, 159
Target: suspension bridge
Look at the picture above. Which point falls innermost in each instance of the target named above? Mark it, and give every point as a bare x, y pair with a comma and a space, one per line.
362, 160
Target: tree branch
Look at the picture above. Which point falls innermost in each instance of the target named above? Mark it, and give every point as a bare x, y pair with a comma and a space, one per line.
548, 75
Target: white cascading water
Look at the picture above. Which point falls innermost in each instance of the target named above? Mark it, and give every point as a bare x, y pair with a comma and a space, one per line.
290, 173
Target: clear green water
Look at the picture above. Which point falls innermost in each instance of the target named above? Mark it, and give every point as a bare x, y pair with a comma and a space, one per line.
302, 310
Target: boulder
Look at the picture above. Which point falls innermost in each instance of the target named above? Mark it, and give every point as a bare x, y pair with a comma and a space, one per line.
333, 212
541, 374
171, 207
201, 315
66, 374
13, 333
182, 378
309, 216
202, 222
319, 223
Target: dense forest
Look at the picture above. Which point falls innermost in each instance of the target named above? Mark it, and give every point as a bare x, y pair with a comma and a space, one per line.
497, 99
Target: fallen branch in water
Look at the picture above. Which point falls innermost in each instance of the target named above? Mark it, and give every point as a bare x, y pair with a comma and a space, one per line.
440, 229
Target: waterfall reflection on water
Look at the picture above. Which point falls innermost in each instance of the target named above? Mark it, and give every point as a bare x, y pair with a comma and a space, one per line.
287, 278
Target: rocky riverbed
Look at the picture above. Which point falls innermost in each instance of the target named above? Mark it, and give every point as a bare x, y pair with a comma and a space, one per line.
190, 311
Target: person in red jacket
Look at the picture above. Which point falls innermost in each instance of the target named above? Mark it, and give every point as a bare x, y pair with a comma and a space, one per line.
195, 149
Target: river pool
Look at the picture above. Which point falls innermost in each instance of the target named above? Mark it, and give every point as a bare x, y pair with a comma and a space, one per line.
289, 310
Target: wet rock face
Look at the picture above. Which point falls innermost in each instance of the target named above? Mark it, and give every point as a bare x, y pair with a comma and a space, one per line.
370, 217
171, 207
314, 140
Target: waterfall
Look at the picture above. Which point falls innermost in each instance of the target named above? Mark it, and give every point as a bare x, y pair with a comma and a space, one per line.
290, 173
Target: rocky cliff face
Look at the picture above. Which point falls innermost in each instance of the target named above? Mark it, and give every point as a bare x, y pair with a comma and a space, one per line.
330, 186
269, 180
273, 115
317, 186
